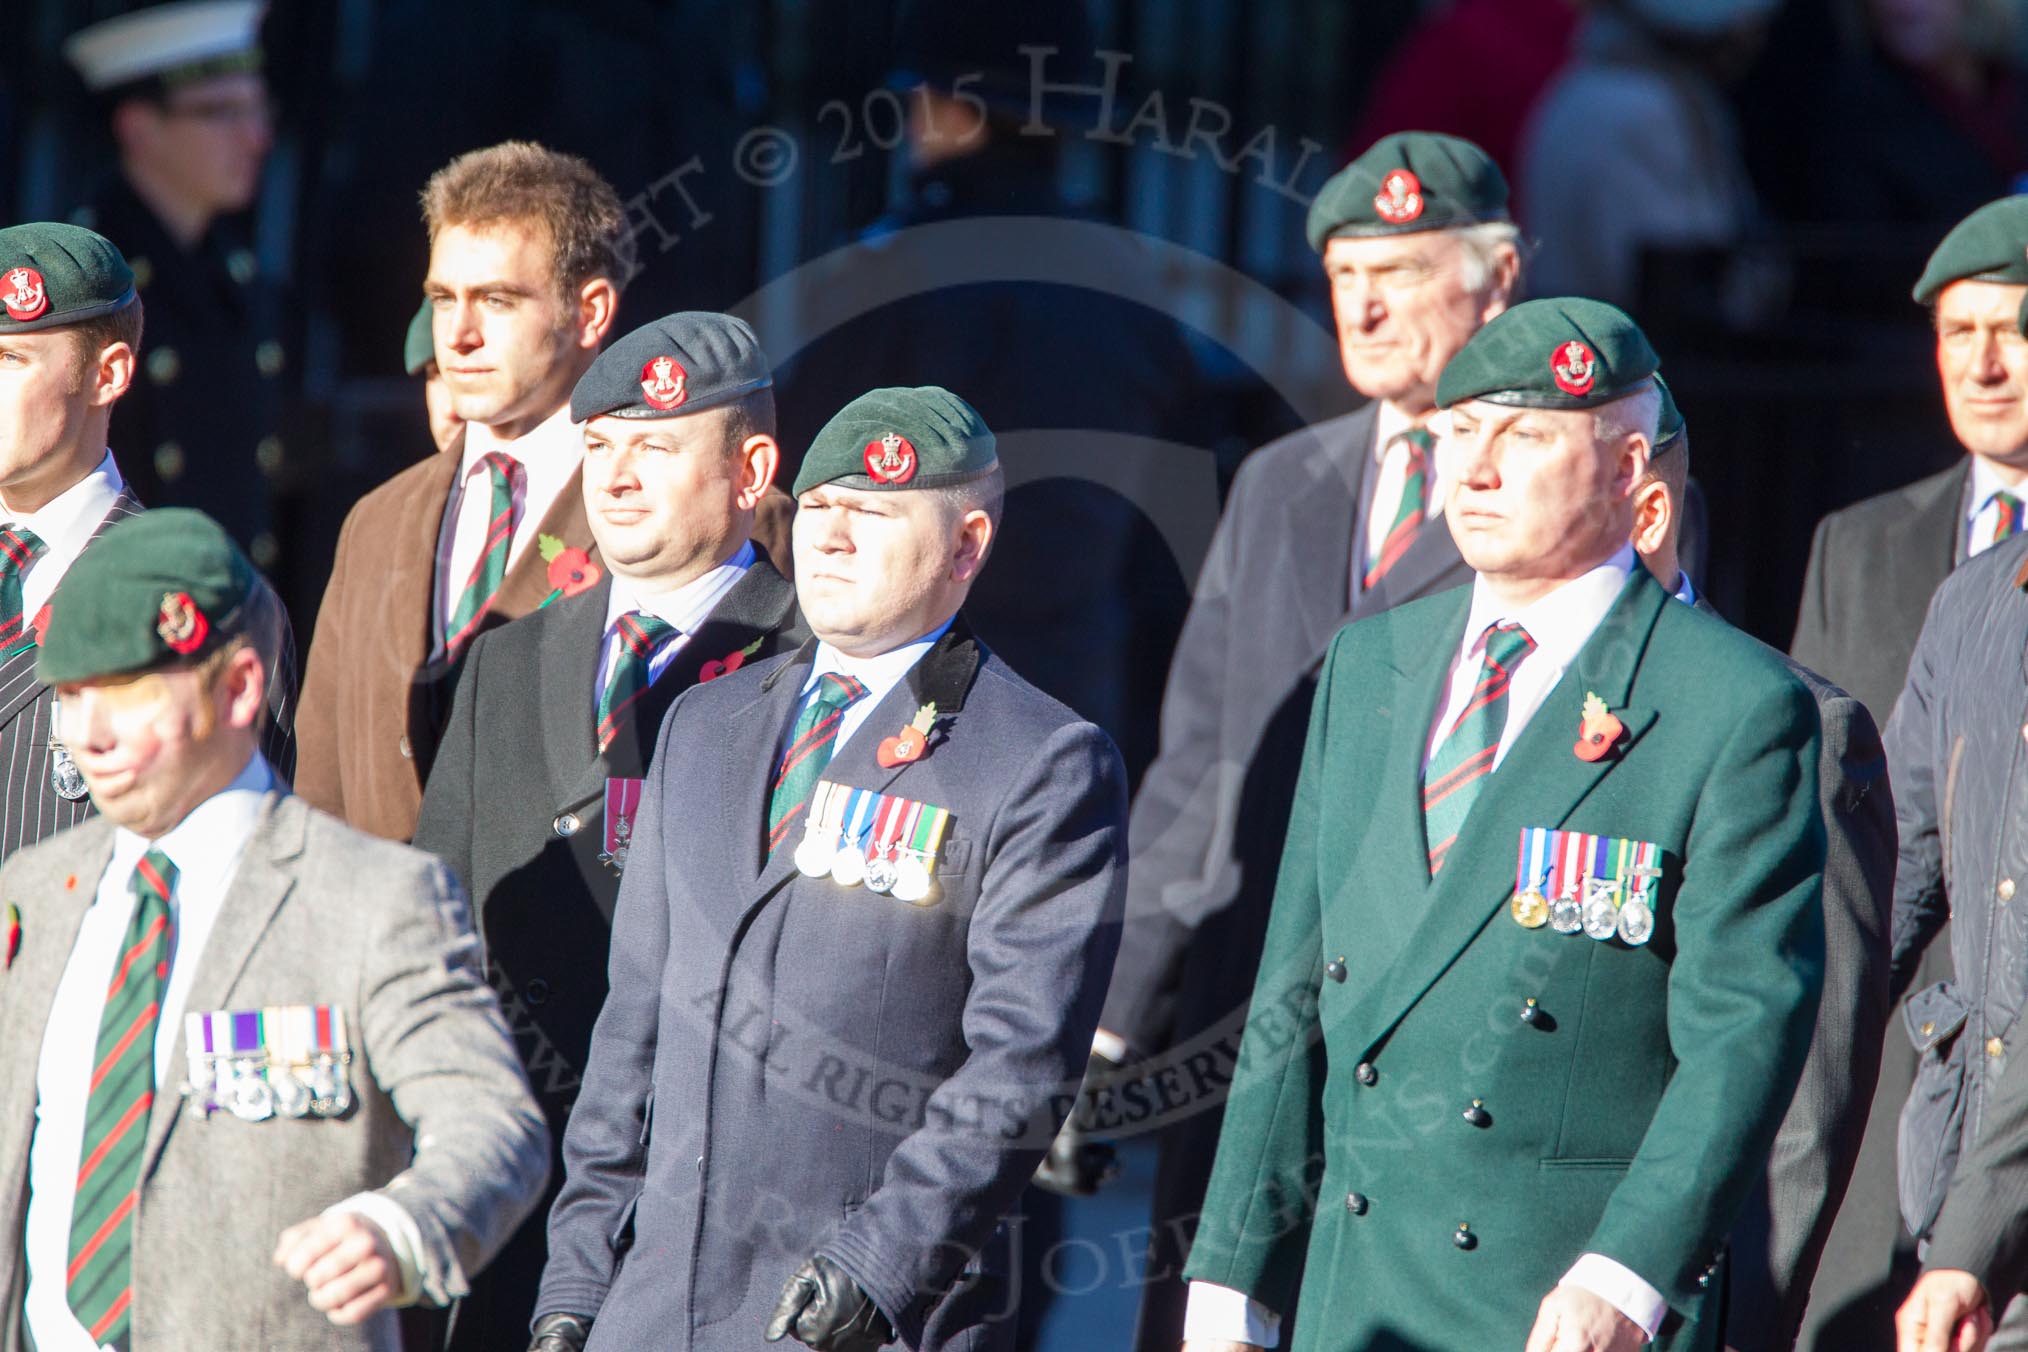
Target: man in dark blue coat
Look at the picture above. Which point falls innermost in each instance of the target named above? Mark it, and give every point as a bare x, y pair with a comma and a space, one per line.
870, 912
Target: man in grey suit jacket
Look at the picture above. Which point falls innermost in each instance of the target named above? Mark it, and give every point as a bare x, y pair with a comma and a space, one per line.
252, 1058
71, 361
866, 925
1779, 1239
539, 829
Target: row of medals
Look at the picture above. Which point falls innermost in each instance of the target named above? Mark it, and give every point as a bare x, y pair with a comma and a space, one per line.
1600, 915
895, 871
255, 1090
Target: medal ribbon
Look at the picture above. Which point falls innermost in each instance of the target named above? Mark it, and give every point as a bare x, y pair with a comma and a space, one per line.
887, 827
857, 818
929, 834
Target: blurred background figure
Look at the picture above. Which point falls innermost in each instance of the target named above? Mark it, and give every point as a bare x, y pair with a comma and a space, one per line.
181, 90
1635, 143
419, 358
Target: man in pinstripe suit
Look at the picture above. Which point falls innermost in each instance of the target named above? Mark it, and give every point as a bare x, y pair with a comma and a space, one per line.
70, 340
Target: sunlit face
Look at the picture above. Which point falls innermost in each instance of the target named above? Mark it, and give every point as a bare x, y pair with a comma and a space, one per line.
1403, 311
207, 141
1536, 496
507, 340
1983, 361
667, 497
445, 424
875, 570
154, 745
44, 403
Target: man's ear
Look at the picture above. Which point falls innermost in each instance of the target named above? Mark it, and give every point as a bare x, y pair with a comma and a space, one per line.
975, 539
598, 304
1654, 513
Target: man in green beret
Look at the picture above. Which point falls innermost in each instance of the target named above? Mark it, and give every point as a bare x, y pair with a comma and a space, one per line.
419, 358
869, 911
70, 348
1545, 954
254, 1087
676, 463
1331, 524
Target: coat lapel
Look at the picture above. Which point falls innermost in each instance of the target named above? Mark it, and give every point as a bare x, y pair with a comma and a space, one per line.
262, 882
526, 585
572, 644
1543, 783
1323, 519
1431, 559
760, 724
51, 913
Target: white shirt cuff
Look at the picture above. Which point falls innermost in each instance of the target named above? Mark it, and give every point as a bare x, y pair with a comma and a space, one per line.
403, 1236
1111, 1046
1220, 1314
1620, 1287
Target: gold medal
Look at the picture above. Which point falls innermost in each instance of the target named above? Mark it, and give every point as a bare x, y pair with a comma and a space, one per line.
1530, 909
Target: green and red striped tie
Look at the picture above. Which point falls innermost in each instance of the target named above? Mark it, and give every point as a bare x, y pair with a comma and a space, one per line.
1413, 508
100, 1278
640, 635
2007, 523
1465, 755
816, 736
489, 570
19, 547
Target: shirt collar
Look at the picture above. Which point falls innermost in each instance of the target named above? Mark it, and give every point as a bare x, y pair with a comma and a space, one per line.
875, 673
206, 845
68, 518
687, 606
1388, 423
554, 437
1685, 592
1560, 622
1986, 481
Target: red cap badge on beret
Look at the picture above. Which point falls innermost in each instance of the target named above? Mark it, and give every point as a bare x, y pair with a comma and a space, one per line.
1574, 368
890, 460
181, 624
25, 297
662, 383
1399, 200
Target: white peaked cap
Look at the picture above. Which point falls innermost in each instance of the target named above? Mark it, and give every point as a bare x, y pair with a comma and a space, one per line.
162, 38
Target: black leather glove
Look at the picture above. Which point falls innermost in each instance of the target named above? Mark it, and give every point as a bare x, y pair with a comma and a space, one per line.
561, 1333
1077, 1165
827, 1310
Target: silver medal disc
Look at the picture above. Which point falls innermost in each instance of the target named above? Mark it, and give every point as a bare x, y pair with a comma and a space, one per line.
292, 1096
813, 856
911, 880
881, 874
64, 776
1637, 922
1601, 919
252, 1098
848, 867
1566, 915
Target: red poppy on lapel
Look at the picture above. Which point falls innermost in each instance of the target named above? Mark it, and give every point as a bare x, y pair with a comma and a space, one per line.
1598, 731
910, 743
719, 666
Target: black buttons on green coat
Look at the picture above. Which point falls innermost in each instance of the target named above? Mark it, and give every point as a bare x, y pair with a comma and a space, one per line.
1465, 1239
1366, 1074
1477, 1115
1355, 1202
1335, 969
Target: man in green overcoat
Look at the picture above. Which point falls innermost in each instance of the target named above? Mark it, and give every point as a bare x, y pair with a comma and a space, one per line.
1546, 947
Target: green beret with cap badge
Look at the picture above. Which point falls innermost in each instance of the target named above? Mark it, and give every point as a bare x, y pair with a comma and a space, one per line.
1407, 182
53, 273
901, 437
1990, 245
678, 364
1564, 352
166, 585
419, 347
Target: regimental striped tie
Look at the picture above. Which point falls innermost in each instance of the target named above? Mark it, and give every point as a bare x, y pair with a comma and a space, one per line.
1464, 757
809, 752
19, 547
490, 568
100, 1279
1384, 553
640, 635
2005, 525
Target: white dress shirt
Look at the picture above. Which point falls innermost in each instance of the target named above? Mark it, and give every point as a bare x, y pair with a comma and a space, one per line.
685, 609
64, 523
205, 847
878, 674
1390, 460
549, 455
1560, 623
1985, 514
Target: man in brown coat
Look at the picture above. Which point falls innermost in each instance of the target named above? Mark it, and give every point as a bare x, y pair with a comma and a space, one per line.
527, 258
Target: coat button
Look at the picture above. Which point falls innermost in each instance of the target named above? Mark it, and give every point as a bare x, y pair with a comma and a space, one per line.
1995, 1047
1355, 1202
1335, 969
1704, 1281
1366, 1074
2006, 889
1477, 1114
536, 991
1531, 1010
407, 751
1464, 1238
566, 823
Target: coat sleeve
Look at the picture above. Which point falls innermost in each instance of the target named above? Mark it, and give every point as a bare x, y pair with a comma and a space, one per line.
318, 779
1186, 793
440, 1050
1811, 645
605, 1150
1040, 947
1983, 1228
1743, 992
445, 823
1921, 904
1261, 1201
1780, 1239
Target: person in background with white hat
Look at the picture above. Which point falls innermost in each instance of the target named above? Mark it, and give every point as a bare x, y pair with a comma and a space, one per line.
181, 90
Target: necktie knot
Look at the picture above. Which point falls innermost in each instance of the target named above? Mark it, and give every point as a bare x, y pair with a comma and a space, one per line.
835, 690
1419, 440
1507, 644
642, 633
19, 547
2008, 523
154, 877
500, 467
